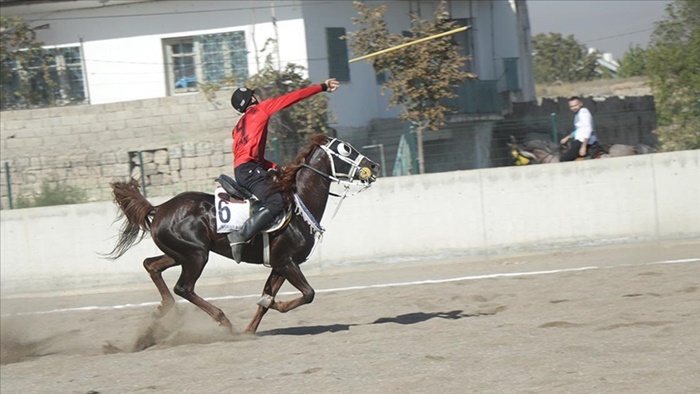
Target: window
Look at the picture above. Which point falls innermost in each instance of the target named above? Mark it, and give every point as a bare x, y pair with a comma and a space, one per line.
380, 77
338, 67
205, 58
465, 40
53, 76
183, 65
510, 69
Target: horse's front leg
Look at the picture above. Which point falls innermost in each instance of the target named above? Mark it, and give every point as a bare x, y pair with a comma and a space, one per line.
296, 278
155, 266
272, 286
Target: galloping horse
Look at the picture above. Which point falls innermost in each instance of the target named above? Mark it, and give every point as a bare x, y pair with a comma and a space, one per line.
539, 151
184, 228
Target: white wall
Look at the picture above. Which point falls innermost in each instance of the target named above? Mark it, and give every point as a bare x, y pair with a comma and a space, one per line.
477, 212
128, 64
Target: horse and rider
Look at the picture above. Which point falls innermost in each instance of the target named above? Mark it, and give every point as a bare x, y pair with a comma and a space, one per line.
249, 164
184, 227
582, 143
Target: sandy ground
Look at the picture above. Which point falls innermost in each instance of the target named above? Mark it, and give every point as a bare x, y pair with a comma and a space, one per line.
615, 319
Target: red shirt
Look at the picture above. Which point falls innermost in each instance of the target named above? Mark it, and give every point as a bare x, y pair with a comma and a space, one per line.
250, 134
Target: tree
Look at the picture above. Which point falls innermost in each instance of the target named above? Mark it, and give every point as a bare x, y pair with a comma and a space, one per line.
673, 66
293, 125
633, 63
562, 59
419, 76
24, 66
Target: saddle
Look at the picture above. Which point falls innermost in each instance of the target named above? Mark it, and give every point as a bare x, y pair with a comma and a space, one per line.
238, 192
234, 189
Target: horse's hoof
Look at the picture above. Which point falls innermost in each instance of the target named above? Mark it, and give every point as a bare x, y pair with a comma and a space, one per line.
266, 300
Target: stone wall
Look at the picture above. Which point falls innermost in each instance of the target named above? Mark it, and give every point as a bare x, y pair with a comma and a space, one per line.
185, 142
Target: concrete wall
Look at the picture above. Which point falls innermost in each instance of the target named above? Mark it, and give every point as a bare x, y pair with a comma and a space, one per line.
478, 212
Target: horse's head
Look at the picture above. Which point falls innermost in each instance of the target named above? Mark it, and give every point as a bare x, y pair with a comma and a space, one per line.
520, 158
348, 164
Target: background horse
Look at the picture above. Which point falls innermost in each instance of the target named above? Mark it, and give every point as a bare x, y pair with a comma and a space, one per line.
184, 228
538, 151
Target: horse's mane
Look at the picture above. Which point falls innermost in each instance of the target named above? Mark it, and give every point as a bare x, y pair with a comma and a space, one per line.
286, 176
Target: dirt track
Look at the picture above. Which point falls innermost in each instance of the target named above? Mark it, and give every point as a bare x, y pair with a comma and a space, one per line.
605, 320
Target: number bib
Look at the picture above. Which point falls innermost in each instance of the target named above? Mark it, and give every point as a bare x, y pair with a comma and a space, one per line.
230, 216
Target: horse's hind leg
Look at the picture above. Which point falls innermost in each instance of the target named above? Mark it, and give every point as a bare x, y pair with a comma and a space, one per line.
191, 270
296, 278
272, 286
155, 266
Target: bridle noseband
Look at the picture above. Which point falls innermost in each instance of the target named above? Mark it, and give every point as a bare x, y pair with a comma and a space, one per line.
347, 180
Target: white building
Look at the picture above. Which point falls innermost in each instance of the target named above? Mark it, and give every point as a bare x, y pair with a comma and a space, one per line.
122, 50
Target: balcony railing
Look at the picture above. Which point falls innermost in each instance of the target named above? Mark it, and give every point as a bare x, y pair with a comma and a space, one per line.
477, 97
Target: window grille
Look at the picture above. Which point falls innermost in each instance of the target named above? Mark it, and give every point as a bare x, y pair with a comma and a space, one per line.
54, 76
338, 67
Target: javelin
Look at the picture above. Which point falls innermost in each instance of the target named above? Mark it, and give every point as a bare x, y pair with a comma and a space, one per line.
447, 33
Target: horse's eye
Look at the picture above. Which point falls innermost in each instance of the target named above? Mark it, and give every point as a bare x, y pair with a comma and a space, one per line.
344, 150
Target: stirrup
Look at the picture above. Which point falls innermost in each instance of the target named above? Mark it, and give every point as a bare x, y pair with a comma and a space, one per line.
237, 244
237, 251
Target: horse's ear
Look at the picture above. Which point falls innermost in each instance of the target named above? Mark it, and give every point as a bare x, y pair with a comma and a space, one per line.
511, 142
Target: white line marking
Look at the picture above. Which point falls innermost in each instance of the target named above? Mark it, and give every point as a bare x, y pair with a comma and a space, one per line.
377, 286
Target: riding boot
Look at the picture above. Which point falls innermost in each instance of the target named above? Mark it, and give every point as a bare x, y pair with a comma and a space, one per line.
256, 223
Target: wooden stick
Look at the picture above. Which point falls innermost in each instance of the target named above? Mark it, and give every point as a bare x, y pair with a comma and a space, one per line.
447, 33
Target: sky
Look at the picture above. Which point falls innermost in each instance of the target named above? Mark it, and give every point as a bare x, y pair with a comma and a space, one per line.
608, 26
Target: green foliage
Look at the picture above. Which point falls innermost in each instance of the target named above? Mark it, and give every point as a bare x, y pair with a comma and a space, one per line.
293, 125
52, 193
673, 66
24, 65
633, 63
562, 59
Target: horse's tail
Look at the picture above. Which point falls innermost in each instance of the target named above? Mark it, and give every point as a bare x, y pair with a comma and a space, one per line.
642, 149
138, 213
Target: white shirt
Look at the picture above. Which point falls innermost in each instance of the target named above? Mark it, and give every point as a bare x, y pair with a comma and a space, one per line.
583, 124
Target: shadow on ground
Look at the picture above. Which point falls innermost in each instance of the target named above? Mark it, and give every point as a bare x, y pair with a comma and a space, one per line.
409, 318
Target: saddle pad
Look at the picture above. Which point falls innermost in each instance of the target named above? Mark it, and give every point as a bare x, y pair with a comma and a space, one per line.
230, 216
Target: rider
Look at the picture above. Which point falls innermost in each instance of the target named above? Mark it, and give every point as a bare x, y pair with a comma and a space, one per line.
584, 136
249, 163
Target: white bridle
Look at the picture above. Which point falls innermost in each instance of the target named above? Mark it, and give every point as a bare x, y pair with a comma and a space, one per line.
346, 180
365, 173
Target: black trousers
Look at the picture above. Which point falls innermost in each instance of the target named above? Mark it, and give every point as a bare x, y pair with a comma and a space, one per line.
253, 177
572, 153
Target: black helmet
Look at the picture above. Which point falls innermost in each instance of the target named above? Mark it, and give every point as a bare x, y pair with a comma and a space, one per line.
241, 99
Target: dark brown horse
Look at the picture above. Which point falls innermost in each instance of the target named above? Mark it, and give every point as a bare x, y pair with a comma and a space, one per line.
184, 228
